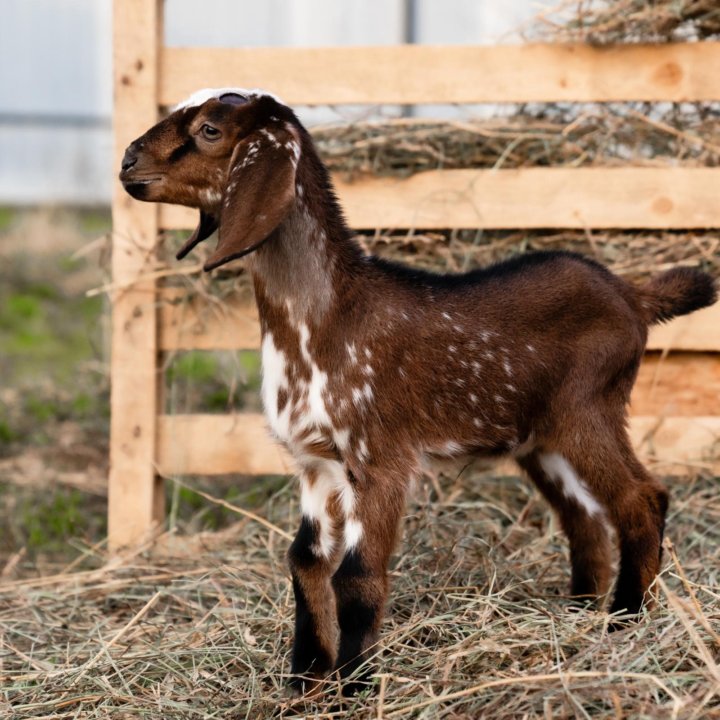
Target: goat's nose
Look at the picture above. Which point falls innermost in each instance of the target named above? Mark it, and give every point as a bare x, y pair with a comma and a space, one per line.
129, 159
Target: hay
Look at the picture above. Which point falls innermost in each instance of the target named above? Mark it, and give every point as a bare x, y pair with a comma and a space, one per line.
647, 134
634, 255
478, 624
602, 22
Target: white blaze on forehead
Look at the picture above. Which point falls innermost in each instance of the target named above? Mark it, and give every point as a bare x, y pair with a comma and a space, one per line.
201, 96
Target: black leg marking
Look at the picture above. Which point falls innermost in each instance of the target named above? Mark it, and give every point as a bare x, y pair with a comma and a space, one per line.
357, 618
300, 554
308, 655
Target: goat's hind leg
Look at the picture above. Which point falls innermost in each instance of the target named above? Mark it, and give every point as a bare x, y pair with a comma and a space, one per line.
582, 519
639, 516
608, 476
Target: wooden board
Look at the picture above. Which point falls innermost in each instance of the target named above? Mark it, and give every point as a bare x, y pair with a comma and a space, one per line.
672, 445
579, 198
698, 331
220, 444
200, 325
416, 74
679, 385
135, 495
196, 325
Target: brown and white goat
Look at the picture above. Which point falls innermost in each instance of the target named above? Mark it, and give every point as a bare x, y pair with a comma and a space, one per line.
369, 365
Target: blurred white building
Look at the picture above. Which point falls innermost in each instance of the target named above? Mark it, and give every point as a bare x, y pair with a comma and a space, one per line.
56, 77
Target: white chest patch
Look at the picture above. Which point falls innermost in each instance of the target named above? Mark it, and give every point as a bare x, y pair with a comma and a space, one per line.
305, 408
274, 379
317, 410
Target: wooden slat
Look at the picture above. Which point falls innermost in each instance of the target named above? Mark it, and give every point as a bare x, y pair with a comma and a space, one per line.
196, 325
698, 331
135, 496
679, 385
199, 325
451, 74
670, 444
599, 197
219, 444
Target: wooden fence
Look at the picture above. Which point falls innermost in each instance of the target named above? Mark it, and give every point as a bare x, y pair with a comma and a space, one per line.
676, 406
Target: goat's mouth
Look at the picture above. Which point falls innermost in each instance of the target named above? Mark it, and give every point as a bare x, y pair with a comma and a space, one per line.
137, 186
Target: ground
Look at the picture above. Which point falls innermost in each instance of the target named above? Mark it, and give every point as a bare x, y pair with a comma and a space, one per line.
478, 623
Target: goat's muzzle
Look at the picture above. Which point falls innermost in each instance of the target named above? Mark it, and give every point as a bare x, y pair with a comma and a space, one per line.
134, 177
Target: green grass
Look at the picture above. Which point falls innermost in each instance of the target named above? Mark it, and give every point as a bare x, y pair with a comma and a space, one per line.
7, 217
216, 382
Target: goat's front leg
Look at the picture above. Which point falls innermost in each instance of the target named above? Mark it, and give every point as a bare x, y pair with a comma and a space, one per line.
361, 582
313, 558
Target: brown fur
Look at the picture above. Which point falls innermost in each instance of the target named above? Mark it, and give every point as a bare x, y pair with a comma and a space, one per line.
370, 366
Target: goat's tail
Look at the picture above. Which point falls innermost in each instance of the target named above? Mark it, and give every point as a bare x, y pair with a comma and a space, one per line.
679, 291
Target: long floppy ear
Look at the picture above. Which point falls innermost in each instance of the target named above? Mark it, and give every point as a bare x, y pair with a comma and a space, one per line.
207, 225
259, 194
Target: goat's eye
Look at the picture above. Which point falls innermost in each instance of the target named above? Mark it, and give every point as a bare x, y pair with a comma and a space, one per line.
209, 132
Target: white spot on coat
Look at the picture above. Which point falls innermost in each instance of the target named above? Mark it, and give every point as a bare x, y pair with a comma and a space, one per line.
342, 438
362, 450
353, 533
330, 479
367, 392
275, 142
557, 468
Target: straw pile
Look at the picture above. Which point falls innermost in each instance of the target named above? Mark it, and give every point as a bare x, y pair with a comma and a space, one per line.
547, 135
611, 21
478, 625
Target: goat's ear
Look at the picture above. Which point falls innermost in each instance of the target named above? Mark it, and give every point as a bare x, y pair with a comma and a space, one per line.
259, 194
207, 225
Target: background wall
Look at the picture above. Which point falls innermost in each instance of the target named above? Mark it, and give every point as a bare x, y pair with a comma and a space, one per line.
56, 89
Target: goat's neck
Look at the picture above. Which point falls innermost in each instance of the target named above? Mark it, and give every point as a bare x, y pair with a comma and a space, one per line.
299, 268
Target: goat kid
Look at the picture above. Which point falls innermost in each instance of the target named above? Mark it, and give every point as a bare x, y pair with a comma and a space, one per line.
369, 365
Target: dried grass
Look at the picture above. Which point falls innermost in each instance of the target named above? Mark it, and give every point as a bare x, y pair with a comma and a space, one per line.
644, 134
478, 624
603, 22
